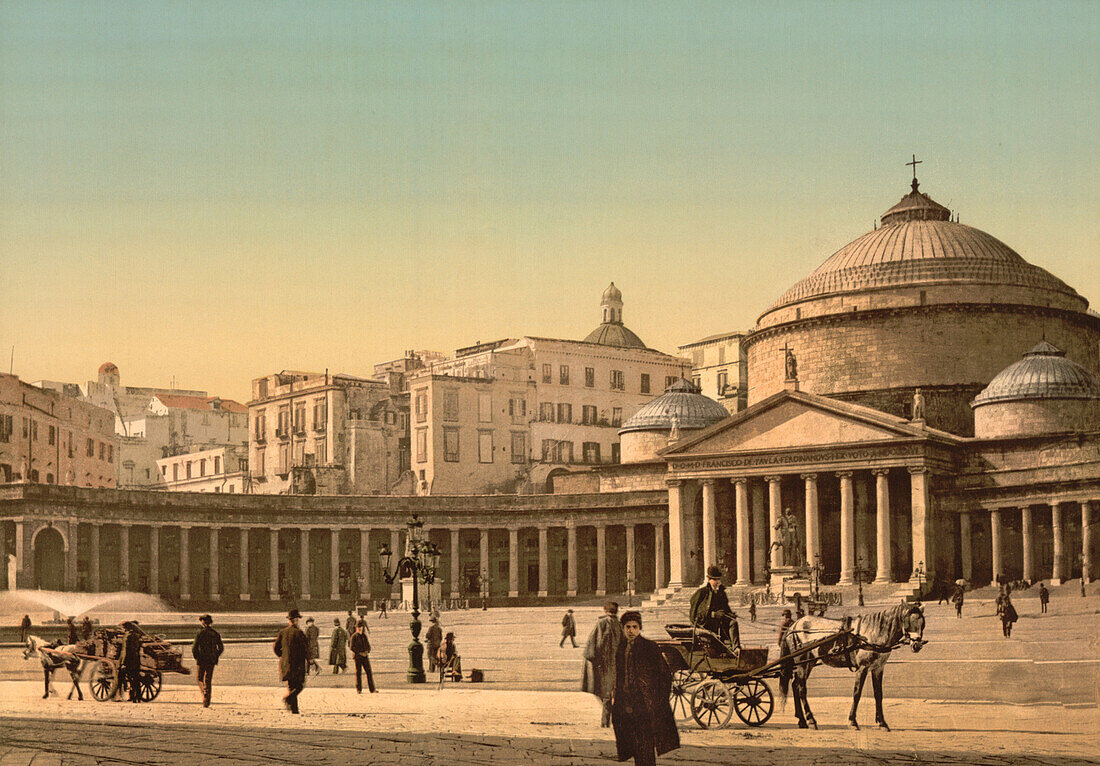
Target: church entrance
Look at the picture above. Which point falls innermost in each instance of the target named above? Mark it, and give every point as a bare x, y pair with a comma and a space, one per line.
49, 560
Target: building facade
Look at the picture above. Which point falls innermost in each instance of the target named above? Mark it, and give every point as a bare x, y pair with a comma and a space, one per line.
719, 369
216, 470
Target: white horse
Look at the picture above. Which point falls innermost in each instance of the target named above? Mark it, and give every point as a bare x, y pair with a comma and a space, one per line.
54, 656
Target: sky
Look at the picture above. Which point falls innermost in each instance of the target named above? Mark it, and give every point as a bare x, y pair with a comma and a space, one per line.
209, 192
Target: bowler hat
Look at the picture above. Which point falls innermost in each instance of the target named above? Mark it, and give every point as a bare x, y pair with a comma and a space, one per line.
206, 619
714, 572
293, 614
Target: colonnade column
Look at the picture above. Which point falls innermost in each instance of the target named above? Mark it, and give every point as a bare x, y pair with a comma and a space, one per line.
544, 562
884, 564
513, 563
922, 520
601, 560
1086, 541
847, 528
4, 584
124, 557
456, 560
362, 579
398, 552
484, 565
965, 552
995, 542
744, 547
273, 561
659, 556
71, 534
334, 564
93, 558
303, 562
759, 532
710, 526
571, 565
677, 535
1028, 543
185, 562
1058, 571
775, 511
244, 586
813, 519
631, 585
215, 578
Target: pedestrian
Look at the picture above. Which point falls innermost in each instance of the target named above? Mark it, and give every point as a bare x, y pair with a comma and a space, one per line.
360, 652
449, 661
710, 606
433, 638
74, 634
337, 652
644, 725
313, 636
350, 623
599, 654
24, 628
957, 600
206, 649
752, 611
85, 628
568, 629
131, 660
787, 622
292, 650
1044, 598
382, 615
1007, 612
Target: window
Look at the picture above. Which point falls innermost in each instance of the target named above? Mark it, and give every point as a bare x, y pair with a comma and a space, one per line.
450, 445
202, 467
300, 418
484, 446
565, 413
164, 470
422, 445
617, 416
450, 405
284, 422
588, 415
615, 452
590, 377
188, 469
549, 450
53, 435
320, 415
721, 355
723, 381
284, 458
669, 380
260, 462
697, 382
517, 409
5, 472
617, 380
645, 383
34, 430
70, 445
591, 452
546, 412
565, 452
547, 373
110, 453
5, 428
519, 448
320, 451
175, 471
563, 374
102, 451
217, 465
421, 406
484, 408
26, 428
261, 426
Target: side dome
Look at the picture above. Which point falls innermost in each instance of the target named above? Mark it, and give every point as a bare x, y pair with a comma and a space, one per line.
661, 421
107, 368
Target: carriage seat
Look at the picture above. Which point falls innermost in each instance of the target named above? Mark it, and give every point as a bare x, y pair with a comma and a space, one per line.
705, 640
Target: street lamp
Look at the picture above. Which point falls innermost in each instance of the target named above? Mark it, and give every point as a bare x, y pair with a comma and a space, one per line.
861, 572
419, 562
919, 574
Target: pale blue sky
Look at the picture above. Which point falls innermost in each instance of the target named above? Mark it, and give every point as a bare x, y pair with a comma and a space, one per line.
215, 191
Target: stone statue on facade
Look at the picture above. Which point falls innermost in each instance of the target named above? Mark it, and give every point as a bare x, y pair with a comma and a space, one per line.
674, 430
791, 364
918, 405
789, 539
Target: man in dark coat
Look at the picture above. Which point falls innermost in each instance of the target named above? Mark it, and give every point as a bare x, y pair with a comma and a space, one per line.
360, 651
710, 607
350, 622
644, 725
131, 661
1044, 598
568, 629
86, 628
313, 636
293, 652
74, 634
24, 627
206, 649
1006, 611
599, 654
337, 653
787, 622
434, 639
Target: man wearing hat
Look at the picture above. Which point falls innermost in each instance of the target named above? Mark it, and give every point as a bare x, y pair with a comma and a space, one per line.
640, 711
206, 649
292, 648
710, 607
568, 629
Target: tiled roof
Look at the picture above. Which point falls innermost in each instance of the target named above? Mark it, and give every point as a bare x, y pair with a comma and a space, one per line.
681, 401
1042, 373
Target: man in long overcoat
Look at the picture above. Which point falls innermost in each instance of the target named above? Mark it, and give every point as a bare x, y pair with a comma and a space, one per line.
313, 636
434, 639
644, 725
338, 651
710, 607
568, 629
293, 652
206, 649
599, 655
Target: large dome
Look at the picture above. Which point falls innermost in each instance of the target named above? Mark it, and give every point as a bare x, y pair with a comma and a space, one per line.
1043, 373
680, 403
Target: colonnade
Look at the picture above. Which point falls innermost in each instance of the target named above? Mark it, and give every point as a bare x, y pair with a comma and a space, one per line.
1000, 516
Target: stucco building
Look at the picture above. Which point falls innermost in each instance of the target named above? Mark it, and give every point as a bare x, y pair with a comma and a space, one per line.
719, 368
216, 470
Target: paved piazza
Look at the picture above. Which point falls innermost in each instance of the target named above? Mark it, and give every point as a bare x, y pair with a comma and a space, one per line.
970, 696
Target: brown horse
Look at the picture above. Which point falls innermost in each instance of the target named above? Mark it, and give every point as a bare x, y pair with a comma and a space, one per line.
864, 648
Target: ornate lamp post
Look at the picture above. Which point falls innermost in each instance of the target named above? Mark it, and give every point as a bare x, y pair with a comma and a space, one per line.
861, 573
419, 563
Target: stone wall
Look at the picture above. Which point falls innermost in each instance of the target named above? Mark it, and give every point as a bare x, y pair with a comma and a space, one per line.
1026, 418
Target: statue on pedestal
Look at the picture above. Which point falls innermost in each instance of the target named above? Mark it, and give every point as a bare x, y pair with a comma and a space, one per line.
790, 364
789, 539
918, 405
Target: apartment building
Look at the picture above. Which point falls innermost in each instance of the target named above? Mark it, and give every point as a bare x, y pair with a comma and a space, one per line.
719, 369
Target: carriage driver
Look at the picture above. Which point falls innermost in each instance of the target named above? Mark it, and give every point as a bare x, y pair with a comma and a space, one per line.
710, 609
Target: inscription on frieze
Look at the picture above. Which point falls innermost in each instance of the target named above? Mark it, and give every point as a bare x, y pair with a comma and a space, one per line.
798, 458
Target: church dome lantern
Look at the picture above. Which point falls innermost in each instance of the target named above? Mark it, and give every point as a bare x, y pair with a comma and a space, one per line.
612, 331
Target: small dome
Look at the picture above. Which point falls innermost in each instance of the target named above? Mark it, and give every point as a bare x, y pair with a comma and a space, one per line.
610, 334
107, 368
612, 293
1042, 373
680, 401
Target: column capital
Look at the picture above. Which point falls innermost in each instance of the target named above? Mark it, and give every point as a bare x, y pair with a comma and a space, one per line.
675, 482
809, 476
773, 478
709, 482
185, 526
740, 480
917, 469
880, 471
844, 474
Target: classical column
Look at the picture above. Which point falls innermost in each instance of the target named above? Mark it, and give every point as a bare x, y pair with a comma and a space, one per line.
884, 564
273, 559
483, 547
398, 552
920, 489
244, 586
215, 578
863, 529
21, 557
513, 563
601, 560
847, 529
334, 563
154, 559
631, 585
544, 562
93, 557
775, 511
571, 565
71, 535
185, 562
303, 562
659, 556
710, 527
124, 557
995, 542
363, 576
456, 562
4, 584
965, 551
677, 537
759, 532
744, 543
1058, 572
1028, 534
813, 519
1086, 541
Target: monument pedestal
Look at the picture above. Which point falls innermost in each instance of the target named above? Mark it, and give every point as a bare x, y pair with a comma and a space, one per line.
790, 580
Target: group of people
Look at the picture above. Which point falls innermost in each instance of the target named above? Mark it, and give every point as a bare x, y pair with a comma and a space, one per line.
298, 652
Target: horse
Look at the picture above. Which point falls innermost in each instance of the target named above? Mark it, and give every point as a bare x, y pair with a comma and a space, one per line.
53, 656
868, 645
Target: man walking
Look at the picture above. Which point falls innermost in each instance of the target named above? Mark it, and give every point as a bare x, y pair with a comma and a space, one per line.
433, 638
957, 600
24, 627
599, 654
86, 628
313, 637
74, 634
382, 610
360, 651
1044, 598
206, 649
349, 623
292, 650
568, 629
337, 653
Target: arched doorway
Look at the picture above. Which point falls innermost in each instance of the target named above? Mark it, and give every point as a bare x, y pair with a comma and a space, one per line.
49, 559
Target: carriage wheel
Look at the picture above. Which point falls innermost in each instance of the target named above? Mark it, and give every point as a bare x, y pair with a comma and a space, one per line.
712, 704
684, 683
753, 702
150, 685
103, 678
